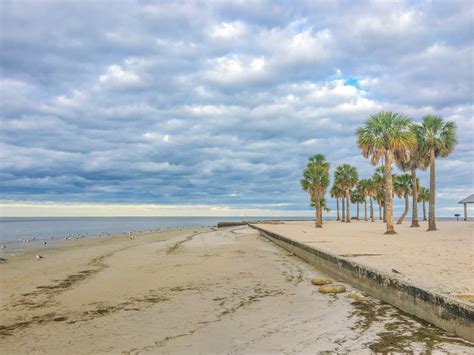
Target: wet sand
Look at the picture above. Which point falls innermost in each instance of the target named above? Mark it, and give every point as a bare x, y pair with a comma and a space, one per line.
191, 291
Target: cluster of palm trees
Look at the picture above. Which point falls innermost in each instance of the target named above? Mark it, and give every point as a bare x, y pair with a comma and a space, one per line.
392, 139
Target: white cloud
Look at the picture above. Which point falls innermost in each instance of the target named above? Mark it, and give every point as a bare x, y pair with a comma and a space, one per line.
236, 69
228, 30
116, 76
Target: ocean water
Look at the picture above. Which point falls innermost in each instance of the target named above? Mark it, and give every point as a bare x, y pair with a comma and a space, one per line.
18, 233
12, 229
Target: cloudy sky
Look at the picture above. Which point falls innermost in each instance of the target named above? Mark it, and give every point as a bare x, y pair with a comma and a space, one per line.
213, 107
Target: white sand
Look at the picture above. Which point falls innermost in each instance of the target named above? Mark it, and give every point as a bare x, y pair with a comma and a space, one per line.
442, 261
187, 292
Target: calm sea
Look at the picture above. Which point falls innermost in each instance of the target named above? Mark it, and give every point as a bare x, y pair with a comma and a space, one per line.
18, 233
52, 228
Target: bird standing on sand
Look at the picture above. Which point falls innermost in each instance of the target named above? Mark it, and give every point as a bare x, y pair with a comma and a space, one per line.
39, 257
3, 246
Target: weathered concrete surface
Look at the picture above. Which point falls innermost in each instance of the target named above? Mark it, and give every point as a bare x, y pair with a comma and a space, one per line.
231, 224
446, 312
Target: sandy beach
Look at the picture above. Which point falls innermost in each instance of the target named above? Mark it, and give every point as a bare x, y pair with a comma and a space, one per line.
192, 291
441, 261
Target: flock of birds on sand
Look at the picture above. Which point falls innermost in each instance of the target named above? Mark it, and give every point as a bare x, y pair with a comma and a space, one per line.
132, 234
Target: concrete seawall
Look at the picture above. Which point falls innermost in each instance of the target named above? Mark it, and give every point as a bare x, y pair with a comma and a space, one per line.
450, 314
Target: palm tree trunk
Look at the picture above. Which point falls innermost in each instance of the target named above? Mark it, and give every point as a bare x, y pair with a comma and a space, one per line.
365, 208
358, 211
337, 208
348, 207
407, 204
380, 209
343, 209
371, 210
388, 206
319, 222
424, 210
414, 187
431, 212
320, 215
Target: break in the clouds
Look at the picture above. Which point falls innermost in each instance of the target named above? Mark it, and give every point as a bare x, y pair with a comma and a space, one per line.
219, 103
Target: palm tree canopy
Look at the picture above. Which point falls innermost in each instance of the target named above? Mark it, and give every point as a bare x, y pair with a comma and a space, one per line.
316, 175
379, 177
417, 158
423, 194
366, 186
437, 135
357, 195
402, 185
324, 204
318, 159
335, 191
386, 132
363, 186
346, 176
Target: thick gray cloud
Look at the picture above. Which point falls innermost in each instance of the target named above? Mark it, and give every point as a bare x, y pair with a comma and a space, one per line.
220, 102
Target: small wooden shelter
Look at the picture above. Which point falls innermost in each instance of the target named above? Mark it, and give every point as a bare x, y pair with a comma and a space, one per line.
469, 199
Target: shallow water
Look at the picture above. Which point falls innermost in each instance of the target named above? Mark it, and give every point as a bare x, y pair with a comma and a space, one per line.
15, 231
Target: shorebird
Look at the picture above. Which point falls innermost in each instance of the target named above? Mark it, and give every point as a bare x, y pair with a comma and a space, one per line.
3, 246
44, 243
39, 257
132, 237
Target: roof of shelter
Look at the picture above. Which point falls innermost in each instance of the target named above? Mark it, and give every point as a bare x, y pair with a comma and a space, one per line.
468, 199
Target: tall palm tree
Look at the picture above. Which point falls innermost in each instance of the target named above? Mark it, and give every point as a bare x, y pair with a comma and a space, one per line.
357, 197
343, 208
324, 205
342, 195
402, 188
379, 189
336, 193
437, 138
364, 187
380, 197
417, 159
385, 135
423, 196
315, 181
346, 178
370, 186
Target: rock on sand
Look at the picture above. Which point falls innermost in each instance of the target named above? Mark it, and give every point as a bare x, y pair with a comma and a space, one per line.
332, 289
320, 282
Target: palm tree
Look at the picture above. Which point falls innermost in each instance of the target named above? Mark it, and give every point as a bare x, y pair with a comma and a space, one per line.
436, 138
386, 135
346, 178
423, 196
379, 189
342, 195
357, 197
416, 160
370, 187
364, 187
336, 193
324, 205
315, 181
402, 188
